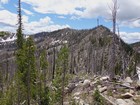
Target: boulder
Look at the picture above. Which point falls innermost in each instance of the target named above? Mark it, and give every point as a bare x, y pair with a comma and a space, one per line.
132, 92
92, 84
126, 84
66, 103
120, 102
82, 102
104, 78
128, 80
138, 83
76, 93
86, 83
129, 102
103, 89
127, 95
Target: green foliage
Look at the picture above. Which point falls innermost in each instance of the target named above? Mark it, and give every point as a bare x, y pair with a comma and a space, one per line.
61, 77
45, 100
3, 33
93, 40
26, 74
43, 61
9, 95
30, 72
118, 68
97, 98
127, 48
103, 41
73, 102
19, 34
43, 91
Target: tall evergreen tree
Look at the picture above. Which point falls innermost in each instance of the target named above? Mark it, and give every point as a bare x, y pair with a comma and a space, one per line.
43, 90
20, 58
61, 77
30, 72
19, 34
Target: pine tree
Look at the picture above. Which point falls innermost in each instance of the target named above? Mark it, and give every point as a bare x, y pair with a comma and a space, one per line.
61, 77
43, 90
43, 66
30, 73
19, 34
20, 58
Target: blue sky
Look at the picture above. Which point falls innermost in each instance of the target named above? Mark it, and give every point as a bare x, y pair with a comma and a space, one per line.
50, 15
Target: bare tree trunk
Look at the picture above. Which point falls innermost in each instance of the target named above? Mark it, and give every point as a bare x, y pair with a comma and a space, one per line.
53, 70
18, 95
28, 80
97, 22
71, 62
63, 81
114, 16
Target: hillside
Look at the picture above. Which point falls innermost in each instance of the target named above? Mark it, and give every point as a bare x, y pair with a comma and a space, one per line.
136, 46
89, 51
89, 62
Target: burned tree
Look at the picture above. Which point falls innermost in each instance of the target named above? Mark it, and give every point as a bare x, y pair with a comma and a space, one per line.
114, 9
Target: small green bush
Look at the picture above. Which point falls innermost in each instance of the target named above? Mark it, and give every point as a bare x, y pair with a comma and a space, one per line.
97, 98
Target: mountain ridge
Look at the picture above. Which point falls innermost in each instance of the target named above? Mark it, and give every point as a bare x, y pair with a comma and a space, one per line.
89, 51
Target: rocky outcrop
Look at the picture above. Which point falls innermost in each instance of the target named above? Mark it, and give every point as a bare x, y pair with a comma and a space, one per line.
112, 93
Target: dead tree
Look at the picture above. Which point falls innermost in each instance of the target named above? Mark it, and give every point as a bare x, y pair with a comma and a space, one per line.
97, 22
53, 69
114, 9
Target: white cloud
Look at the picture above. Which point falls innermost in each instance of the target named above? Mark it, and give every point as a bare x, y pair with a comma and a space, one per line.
130, 37
82, 8
61, 17
88, 9
44, 24
27, 11
8, 18
4, 1
8, 21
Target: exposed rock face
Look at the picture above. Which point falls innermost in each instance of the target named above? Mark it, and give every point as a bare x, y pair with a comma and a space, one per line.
89, 51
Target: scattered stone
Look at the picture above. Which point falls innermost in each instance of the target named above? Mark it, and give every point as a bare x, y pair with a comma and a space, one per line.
128, 80
99, 86
104, 78
81, 102
71, 87
129, 102
131, 91
92, 84
138, 85
86, 83
127, 95
126, 84
76, 80
76, 98
66, 103
120, 102
66, 90
77, 94
103, 89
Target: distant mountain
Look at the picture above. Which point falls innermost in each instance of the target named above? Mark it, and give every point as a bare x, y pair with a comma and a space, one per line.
136, 46
89, 51
7, 36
